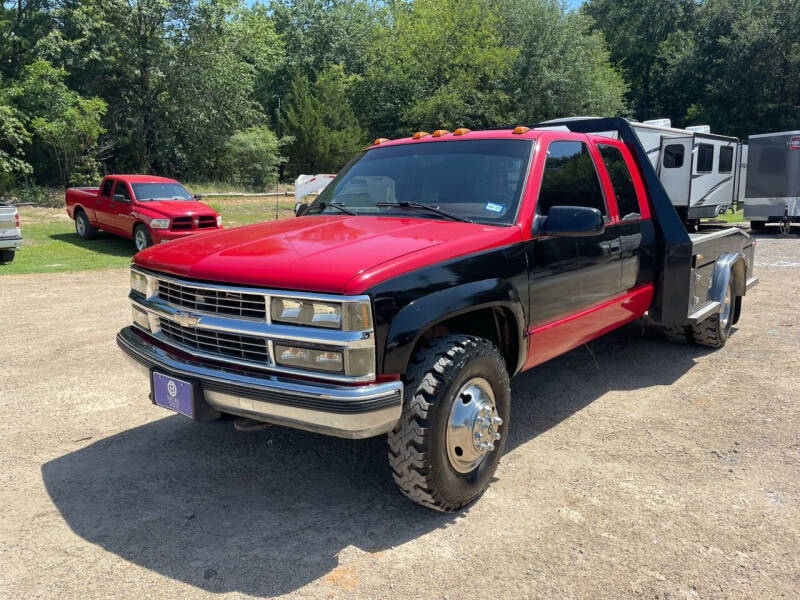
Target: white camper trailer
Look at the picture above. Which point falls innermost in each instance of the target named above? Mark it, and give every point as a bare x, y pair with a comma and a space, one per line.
700, 171
772, 193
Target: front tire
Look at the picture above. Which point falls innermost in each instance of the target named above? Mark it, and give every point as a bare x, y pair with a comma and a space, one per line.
6, 256
141, 238
450, 437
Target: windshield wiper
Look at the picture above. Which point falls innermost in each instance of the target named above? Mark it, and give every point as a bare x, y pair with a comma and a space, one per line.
336, 205
434, 209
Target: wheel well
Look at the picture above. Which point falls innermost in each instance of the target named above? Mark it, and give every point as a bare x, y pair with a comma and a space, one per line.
78, 210
495, 324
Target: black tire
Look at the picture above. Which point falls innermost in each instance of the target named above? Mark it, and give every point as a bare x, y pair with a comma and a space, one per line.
83, 227
678, 334
141, 237
714, 331
6, 256
757, 225
418, 452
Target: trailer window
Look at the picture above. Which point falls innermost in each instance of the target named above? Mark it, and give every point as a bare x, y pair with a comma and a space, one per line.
726, 159
673, 156
570, 179
106, 190
705, 158
621, 181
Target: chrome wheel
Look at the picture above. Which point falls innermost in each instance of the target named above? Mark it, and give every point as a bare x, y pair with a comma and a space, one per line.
727, 308
473, 426
140, 239
80, 226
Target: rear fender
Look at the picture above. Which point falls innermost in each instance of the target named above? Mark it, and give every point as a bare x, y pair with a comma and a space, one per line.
731, 265
420, 315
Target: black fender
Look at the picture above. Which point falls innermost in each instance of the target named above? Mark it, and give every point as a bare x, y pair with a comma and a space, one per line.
427, 311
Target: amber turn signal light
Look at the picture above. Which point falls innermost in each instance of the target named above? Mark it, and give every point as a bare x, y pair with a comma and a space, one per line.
519, 130
420, 134
461, 131
440, 132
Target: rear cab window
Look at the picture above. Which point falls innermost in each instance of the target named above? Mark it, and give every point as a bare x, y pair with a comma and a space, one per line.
628, 201
105, 191
570, 179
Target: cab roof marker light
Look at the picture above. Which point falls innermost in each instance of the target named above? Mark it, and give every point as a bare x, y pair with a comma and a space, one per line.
520, 129
461, 131
380, 141
440, 132
420, 134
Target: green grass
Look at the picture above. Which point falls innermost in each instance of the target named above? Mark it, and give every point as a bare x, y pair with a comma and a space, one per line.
51, 245
736, 217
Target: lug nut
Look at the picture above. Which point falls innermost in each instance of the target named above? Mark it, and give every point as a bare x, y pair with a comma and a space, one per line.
490, 446
497, 421
478, 435
496, 436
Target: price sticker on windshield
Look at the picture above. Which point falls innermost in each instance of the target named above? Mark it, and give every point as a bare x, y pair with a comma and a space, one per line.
493, 207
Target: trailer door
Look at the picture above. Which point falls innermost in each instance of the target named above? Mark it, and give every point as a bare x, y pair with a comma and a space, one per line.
675, 168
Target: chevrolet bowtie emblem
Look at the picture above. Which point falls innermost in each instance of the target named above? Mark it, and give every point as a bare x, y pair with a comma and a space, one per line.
196, 222
184, 319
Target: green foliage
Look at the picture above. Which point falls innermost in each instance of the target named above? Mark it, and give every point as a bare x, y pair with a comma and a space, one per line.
253, 156
13, 138
324, 131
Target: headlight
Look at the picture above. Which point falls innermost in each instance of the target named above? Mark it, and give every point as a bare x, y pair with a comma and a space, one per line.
139, 283
219, 220
348, 316
309, 358
159, 223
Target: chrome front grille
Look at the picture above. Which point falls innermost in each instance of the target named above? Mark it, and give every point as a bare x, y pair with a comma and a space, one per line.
233, 345
223, 302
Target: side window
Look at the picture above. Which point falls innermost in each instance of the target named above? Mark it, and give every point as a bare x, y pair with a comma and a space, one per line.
621, 181
673, 156
705, 158
570, 179
726, 159
122, 190
105, 191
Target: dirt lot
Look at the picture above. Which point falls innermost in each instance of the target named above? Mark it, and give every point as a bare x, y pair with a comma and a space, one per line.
656, 471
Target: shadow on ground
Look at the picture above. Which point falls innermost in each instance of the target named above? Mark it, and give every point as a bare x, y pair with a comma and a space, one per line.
267, 513
104, 243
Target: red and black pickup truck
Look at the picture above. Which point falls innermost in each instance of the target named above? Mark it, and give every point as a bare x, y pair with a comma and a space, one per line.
147, 209
425, 276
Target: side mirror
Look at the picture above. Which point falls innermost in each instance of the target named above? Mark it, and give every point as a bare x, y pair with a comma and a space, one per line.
120, 198
573, 221
300, 208
197, 197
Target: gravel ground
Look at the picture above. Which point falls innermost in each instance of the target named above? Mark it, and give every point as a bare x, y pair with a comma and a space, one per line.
639, 469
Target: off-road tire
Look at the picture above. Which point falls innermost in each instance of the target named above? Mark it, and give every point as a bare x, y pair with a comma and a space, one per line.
712, 332
417, 445
757, 225
6, 256
677, 334
142, 230
89, 232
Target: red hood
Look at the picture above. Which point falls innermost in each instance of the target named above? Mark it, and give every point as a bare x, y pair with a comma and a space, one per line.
331, 254
178, 208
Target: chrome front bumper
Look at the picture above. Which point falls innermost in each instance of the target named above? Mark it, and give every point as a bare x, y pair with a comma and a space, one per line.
349, 411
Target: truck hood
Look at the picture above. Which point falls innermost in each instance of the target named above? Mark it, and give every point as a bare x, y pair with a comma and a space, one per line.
177, 208
329, 254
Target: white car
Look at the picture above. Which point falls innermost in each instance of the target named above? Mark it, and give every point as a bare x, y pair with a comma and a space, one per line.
10, 234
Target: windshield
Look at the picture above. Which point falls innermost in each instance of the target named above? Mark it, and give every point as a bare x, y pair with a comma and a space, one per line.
145, 192
478, 180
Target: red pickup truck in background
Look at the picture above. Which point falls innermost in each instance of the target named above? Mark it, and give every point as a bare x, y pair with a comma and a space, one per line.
144, 208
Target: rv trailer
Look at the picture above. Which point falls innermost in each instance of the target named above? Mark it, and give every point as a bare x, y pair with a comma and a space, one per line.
772, 193
701, 171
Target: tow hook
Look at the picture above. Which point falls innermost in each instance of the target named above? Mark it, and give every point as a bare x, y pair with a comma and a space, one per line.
246, 425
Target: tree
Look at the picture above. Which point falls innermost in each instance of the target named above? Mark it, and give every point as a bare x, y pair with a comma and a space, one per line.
323, 127
61, 120
253, 156
634, 31
13, 138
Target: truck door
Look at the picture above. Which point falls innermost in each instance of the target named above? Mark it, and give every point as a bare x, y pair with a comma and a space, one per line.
120, 209
569, 275
103, 205
675, 168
